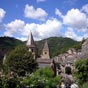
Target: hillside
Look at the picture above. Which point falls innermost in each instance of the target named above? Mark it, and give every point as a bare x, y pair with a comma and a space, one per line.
7, 44
57, 45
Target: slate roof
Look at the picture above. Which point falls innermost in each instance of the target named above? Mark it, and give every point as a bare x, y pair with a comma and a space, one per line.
46, 48
30, 41
44, 62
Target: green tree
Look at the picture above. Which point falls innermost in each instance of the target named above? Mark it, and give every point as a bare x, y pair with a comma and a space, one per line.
81, 70
42, 78
20, 61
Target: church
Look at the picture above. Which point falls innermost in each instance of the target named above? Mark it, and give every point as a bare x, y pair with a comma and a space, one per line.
44, 59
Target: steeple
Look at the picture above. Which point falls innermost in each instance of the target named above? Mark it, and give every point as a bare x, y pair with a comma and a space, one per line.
46, 48
30, 41
45, 52
31, 45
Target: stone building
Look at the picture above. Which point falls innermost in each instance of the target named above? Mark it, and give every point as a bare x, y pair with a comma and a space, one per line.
45, 51
67, 59
44, 60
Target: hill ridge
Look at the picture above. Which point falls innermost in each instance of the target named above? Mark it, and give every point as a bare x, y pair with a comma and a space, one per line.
57, 45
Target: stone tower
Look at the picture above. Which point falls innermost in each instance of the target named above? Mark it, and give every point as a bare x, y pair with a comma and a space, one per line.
31, 45
45, 52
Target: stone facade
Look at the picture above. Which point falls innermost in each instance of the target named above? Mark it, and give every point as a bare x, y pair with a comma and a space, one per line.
44, 60
45, 51
84, 51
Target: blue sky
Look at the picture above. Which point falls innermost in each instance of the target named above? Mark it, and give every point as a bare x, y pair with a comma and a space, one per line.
45, 18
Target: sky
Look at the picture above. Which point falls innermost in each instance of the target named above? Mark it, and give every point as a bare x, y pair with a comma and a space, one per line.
44, 18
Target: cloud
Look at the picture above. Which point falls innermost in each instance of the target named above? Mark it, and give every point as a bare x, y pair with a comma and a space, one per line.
14, 27
85, 36
41, 0
31, 12
2, 14
76, 19
57, 12
71, 34
40, 31
50, 28
85, 8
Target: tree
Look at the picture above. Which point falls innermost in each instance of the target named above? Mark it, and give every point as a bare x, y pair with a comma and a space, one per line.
81, 70
20, 61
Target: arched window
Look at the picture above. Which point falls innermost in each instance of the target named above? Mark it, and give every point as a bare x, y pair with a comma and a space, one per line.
68, 70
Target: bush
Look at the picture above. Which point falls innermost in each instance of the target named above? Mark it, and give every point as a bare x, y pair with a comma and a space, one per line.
85, 85
81, 71
6, 82
42, 78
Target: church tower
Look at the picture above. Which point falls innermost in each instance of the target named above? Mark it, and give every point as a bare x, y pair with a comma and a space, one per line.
45, 52
31, 45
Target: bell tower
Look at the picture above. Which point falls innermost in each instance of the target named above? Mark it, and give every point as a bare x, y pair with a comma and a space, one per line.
45, 52
31, 45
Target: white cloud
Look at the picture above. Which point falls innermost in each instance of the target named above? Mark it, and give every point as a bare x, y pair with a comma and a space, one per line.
76, 19
71, 34
85, 8
57, 12
2, 14
41, 0
31, 12
14, 27
85, 36
40, 31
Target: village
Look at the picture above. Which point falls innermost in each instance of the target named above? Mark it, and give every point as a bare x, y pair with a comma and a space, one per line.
63, 64
44, 44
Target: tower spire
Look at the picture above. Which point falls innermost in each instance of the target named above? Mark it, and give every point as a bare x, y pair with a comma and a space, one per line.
45, 52
31, 45
30, 41
46, 48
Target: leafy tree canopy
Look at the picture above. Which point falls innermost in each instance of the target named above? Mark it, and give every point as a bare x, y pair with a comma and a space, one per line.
20, 60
